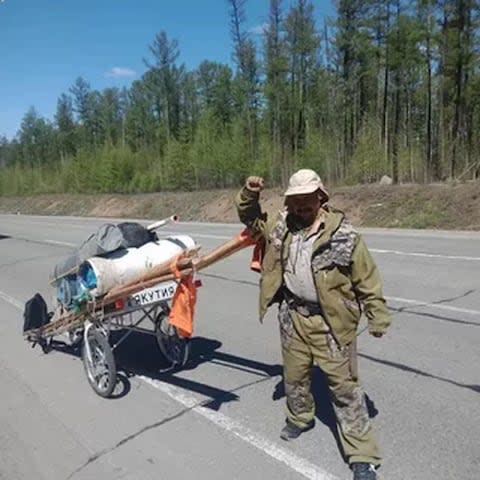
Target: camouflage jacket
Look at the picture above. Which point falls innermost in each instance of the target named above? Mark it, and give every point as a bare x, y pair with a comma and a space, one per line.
346, 277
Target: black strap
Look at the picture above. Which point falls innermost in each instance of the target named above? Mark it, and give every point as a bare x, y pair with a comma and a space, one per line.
304, 307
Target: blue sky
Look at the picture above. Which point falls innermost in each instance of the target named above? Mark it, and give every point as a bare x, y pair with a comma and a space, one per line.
46, 44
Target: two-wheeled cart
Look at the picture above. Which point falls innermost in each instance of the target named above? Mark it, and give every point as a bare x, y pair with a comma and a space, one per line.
125, 307
147, 308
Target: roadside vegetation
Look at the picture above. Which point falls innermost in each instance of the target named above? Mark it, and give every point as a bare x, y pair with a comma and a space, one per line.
387, 87
446, 206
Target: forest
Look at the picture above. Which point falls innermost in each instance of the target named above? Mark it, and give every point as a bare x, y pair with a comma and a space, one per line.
384, 87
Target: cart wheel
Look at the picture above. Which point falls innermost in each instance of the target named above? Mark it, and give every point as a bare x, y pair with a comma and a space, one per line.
174, 348
100, 368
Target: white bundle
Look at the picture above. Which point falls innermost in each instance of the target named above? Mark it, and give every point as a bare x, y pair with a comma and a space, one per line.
100, 274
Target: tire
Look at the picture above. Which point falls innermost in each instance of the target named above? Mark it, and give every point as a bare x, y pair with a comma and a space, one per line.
101, 371
174, 348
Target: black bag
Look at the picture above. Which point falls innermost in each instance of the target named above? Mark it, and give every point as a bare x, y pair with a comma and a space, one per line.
135, 235
35, 314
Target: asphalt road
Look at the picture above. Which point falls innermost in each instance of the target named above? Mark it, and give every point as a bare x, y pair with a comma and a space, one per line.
219, 418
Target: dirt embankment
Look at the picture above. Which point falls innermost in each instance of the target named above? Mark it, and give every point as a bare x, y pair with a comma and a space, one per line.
441, 206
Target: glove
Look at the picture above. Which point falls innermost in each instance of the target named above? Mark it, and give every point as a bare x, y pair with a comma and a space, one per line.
254, 183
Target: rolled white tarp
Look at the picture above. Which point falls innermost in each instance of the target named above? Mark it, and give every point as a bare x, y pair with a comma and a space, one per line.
99, 274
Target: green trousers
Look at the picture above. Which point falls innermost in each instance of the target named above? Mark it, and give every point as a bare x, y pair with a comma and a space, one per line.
306, 340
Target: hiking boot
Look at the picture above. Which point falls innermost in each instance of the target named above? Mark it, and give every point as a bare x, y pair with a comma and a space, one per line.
291, 431
363, 471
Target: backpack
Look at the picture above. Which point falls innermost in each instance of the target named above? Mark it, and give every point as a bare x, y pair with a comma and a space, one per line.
35, 314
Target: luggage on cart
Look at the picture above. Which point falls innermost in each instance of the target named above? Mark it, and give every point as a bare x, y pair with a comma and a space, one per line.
90, 269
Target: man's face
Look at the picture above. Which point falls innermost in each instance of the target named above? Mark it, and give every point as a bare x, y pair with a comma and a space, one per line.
304, 207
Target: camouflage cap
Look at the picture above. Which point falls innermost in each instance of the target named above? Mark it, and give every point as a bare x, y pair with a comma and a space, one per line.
305, 181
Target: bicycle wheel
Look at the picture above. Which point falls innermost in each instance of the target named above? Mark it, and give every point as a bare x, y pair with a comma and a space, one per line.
174, 348
100, 364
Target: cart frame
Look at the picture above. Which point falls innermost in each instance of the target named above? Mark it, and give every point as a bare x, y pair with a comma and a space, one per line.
94, 334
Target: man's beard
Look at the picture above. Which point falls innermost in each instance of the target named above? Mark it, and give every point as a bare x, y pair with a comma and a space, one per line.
300, 222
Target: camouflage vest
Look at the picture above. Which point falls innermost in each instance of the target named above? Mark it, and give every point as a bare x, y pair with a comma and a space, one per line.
337, 250
278, 232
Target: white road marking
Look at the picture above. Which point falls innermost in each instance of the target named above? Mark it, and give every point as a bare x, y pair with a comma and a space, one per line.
293, 461
11, 300
421, 254
57, 225
63, 244
422, 303
374, 250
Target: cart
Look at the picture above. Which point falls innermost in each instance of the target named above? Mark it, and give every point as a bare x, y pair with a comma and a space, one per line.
93, 322
92, 328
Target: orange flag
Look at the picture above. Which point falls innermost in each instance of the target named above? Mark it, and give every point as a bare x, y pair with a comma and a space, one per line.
183, 302
183, 306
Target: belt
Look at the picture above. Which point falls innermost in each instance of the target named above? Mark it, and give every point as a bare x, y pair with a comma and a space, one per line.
303, 307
